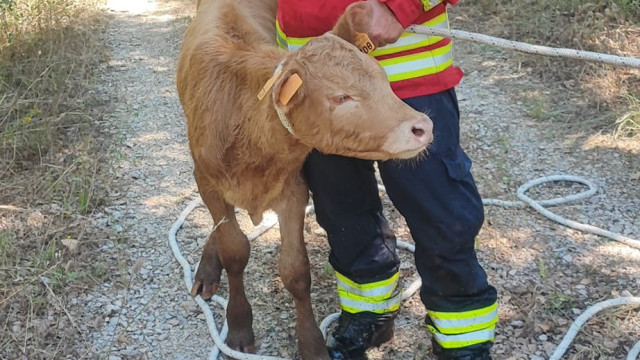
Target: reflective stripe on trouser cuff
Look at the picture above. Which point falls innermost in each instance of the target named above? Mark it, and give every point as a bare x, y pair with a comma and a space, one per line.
378, 297
355, 304
378, 290
463, 340
466, 321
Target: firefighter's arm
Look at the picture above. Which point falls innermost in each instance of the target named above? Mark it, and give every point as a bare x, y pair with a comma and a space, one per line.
407, 11
385, 27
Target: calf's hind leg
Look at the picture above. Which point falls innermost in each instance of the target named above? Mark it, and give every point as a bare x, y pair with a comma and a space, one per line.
294, 270
226, 248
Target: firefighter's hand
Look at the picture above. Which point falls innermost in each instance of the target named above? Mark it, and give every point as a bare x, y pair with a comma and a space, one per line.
385, 28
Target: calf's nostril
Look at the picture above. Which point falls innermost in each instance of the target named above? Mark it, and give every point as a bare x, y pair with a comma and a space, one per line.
417, 132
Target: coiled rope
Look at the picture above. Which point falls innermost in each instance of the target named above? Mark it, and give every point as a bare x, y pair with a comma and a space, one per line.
271, 221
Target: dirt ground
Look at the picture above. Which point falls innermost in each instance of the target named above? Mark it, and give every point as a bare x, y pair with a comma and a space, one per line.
546, 274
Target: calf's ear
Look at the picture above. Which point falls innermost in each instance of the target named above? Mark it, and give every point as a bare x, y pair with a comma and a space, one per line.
355, 21
287, 90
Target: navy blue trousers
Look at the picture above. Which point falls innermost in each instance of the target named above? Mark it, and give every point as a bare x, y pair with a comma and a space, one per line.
436, 195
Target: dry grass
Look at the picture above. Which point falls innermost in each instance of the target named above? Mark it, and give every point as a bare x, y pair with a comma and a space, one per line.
50, 173
606, 96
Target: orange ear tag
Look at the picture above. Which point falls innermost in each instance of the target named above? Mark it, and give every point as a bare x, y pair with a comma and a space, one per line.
364, 43
269, 84
289, 88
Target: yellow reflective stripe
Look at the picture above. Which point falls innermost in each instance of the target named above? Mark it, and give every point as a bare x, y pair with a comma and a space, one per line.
462, 340
416, 65
463, 314
281, 42
381, 292
419, 56
457, 326
393, 280
290, 43
355, 304
428, 4
410, 41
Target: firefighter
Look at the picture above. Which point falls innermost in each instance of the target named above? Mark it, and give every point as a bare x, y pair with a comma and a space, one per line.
436, 194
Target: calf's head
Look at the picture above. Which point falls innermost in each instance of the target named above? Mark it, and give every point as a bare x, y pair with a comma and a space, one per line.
345, 105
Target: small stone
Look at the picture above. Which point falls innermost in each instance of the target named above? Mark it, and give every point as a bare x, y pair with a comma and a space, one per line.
576, 311
136, 174
110, 309
626, 293
517, 323
130, 353
543, 337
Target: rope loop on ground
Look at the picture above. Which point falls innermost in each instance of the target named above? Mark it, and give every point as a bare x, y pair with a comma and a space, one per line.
271, 220
528, 48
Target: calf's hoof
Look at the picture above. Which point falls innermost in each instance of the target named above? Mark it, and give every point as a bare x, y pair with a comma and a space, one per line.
311, 344
207, 278
242, 341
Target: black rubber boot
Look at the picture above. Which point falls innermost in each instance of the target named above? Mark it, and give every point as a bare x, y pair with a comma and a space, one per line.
473, 352
356, 333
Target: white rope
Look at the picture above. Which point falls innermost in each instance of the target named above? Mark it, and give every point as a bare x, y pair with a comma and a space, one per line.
271, 220
528, 48
582, 319
635, 352
538, 205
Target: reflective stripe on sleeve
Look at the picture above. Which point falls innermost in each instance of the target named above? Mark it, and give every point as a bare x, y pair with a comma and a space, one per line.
467, 321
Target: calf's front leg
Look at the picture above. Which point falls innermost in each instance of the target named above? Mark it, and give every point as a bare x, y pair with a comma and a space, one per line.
226, 248
294, 269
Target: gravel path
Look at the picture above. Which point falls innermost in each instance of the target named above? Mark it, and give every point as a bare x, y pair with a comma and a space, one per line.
546, 274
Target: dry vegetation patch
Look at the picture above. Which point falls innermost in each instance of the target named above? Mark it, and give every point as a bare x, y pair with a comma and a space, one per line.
581, 95
51, 166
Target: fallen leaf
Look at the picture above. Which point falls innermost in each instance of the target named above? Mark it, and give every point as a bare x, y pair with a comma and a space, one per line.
545, 327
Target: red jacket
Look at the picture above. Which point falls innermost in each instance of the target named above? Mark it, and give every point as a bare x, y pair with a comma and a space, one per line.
298, 18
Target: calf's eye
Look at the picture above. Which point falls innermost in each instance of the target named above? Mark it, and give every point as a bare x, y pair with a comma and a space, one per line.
341, 99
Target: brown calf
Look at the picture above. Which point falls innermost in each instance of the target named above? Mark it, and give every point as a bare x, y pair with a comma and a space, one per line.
244, 156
